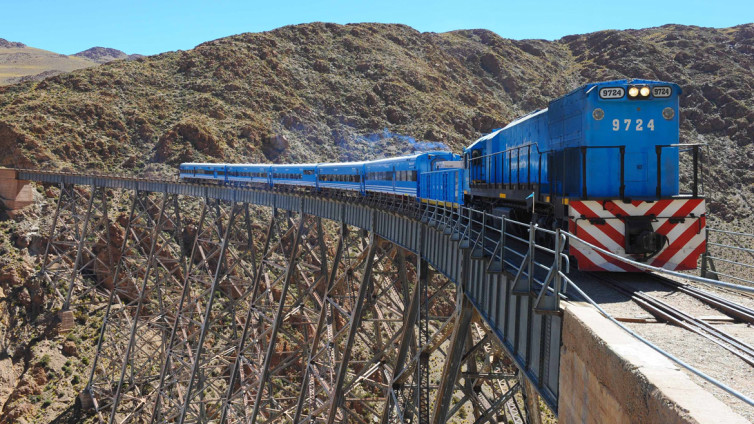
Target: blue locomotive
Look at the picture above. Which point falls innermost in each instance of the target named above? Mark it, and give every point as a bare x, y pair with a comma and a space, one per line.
596, 142
602, 161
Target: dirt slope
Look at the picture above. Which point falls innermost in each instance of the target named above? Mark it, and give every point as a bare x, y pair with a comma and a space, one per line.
21, 63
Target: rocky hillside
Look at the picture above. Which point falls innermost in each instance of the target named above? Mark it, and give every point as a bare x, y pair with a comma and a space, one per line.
324, 91
21, 63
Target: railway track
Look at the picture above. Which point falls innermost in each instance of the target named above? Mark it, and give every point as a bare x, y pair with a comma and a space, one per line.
668, 313
730, 308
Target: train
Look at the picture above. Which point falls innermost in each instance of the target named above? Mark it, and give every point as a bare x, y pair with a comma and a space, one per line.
601, 161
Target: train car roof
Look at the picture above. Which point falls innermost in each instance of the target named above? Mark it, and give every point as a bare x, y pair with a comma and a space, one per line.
408, 157
202, 164
525, 118
360, 163
289, 165
513, 123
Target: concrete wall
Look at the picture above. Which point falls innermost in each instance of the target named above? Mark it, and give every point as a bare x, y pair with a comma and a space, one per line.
608, 376
14, 193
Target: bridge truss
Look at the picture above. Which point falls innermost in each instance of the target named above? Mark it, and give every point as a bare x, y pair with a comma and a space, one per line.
229, 305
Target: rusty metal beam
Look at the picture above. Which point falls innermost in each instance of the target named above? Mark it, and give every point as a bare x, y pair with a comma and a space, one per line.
140, 304
353, 327
276, 325
320, 322
156, 413
452, 362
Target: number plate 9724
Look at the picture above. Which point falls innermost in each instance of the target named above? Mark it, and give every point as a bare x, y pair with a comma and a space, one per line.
612, 92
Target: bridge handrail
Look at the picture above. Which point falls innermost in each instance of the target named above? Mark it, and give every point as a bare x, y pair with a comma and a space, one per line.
735, 266
486, 236
743, 249
735, 233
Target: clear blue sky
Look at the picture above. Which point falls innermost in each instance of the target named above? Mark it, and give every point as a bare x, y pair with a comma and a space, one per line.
150, 27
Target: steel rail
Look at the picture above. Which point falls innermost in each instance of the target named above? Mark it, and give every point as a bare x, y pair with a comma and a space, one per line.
728, 307
674, 315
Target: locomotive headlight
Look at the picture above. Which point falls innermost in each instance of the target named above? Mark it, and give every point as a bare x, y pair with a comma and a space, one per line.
598, 114
668, 113
633, 92
644, 91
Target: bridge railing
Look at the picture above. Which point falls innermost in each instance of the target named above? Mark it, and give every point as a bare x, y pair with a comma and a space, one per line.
729, 256
499, 240
509, 246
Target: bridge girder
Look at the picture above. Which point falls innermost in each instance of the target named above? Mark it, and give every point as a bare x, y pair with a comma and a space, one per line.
250, 315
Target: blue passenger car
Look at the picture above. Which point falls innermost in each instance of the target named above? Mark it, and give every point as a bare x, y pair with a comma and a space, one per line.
404, 176
302, 175
248, 174
203, 171
341, 176
394, 175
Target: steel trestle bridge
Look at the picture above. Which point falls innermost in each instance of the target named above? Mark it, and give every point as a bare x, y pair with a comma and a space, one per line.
231, 304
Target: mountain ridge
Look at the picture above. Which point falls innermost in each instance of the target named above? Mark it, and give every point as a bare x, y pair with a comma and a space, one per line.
326, 91
22, 63
105, 54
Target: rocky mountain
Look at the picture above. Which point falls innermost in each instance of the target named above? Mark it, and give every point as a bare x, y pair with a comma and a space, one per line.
105, 54
332, 92
11, 44
21, 63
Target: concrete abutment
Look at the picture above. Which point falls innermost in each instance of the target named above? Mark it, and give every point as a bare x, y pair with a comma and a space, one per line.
15, 194
608, 376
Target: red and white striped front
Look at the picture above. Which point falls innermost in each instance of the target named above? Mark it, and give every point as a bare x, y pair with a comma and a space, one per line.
686, 237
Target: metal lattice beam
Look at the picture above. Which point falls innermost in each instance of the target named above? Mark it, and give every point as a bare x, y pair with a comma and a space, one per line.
251, 315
